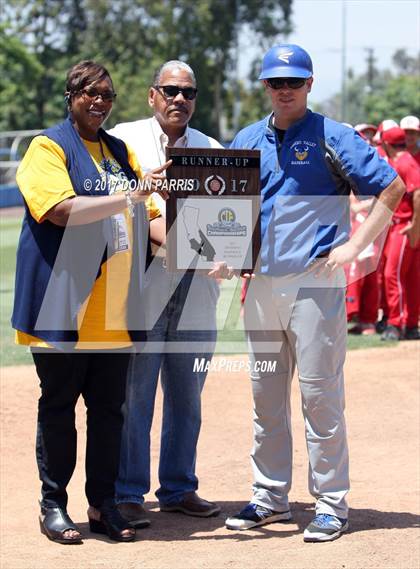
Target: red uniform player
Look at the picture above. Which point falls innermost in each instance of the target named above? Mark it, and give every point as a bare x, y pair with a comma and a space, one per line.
387, 124
362, 296
402, 248
411, 127
368, 131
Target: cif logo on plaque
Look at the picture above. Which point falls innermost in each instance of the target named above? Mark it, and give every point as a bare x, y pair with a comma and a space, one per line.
227, 215
226, 225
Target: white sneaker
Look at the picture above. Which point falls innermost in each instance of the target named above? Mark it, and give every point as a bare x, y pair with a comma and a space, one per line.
325, 527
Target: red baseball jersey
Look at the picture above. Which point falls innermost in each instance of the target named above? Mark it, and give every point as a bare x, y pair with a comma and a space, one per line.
408, 169
381, 152
416, 157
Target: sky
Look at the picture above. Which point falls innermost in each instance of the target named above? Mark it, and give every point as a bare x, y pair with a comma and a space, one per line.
384, 25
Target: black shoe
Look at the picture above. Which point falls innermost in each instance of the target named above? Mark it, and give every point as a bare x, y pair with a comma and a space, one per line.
55, 522
110, 523
391, 333
192, 505
134, 514
412, 333
381, 325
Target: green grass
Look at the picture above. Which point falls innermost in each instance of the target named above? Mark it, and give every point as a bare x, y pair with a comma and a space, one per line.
362, 342
10, 353
231, 337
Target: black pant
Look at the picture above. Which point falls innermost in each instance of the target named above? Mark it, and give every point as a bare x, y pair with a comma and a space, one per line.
100, 378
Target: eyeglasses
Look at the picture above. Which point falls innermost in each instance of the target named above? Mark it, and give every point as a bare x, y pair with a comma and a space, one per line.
171, 91
92, 93
289, 82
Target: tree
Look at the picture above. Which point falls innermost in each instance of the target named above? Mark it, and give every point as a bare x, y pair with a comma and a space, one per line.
379, 94
202, 33
132, 37
399, 99
47, 30
20, 69
405, 64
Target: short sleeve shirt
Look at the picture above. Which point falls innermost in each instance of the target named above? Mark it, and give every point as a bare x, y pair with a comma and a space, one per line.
305, 184
44, 182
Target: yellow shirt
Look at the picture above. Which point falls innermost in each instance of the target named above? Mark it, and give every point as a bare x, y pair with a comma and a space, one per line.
44, 182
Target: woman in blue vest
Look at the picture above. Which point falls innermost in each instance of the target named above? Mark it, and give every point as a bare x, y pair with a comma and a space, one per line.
84, 240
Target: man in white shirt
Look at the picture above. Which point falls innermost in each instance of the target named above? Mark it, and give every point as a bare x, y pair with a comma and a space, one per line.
172, 98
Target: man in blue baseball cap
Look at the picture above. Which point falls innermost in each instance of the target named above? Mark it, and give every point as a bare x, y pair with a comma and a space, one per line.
287, 76
295, 305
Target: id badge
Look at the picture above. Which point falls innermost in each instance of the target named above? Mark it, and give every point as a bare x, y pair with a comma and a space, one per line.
120, 233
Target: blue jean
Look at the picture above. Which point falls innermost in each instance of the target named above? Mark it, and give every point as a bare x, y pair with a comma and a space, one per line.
181, 387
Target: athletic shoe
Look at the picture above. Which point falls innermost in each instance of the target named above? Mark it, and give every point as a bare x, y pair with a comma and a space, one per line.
381, 325
412, 333
391, 333
364, 328
368, 329
254, 515
134, 514
192, 505
325, 527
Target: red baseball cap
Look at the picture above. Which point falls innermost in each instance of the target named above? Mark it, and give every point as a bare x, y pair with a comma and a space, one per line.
382, 127
395, 136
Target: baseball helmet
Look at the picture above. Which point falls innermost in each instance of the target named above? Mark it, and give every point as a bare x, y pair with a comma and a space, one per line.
286, 60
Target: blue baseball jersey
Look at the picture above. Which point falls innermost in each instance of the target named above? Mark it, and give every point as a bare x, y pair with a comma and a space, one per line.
305, 185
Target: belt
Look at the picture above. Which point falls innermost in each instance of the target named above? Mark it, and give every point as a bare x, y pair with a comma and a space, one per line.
323, 254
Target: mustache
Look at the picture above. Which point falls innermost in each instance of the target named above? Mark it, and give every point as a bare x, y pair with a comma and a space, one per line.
179, 107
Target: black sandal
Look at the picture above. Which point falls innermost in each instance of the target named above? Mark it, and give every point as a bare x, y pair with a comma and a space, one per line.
54, 522
111, 523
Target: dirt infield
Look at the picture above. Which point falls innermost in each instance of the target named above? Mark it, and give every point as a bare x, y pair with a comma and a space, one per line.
383, 425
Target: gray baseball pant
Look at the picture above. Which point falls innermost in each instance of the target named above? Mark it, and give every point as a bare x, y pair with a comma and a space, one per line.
300, 321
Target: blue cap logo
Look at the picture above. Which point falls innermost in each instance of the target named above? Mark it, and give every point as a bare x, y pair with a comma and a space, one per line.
285, 56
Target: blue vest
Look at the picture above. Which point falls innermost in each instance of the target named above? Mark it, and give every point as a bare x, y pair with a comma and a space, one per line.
57, 266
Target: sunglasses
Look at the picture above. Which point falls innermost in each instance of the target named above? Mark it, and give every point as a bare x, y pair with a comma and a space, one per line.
289, 82
171, 91
92, 93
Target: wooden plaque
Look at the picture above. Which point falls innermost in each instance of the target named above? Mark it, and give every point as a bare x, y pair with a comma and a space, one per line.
213, 212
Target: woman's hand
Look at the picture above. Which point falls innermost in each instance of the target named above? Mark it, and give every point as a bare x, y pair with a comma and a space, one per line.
153, 181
